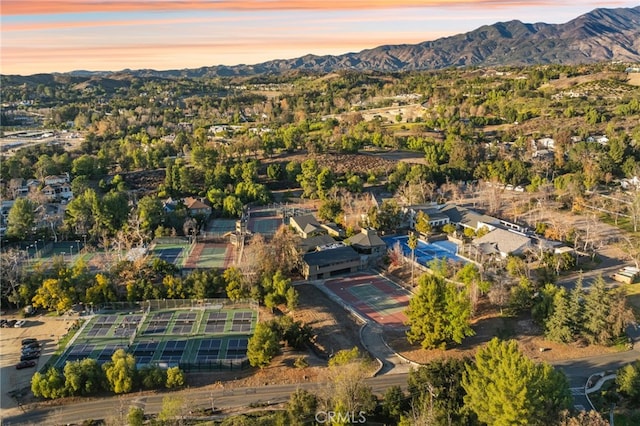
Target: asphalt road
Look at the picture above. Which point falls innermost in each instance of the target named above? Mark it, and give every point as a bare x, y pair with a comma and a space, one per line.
100, 408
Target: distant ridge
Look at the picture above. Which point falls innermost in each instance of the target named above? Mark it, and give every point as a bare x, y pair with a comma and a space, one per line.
600, 35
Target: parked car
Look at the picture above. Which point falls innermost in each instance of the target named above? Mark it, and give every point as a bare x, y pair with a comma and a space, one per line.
30, 350
2, 322
29, 340
32, 345
29, 356
10, 323
25, 364
20, 323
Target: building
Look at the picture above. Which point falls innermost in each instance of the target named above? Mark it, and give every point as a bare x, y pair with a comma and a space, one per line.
502, 242
197, 207
330, 262
307, 226
368, 242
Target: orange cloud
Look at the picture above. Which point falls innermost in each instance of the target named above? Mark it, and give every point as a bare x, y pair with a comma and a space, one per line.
25, 7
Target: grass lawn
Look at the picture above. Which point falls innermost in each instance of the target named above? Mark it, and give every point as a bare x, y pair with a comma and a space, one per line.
633, 297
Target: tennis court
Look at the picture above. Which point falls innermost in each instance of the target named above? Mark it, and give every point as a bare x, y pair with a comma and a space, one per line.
426, 252
202, 338
210, 256
374, 297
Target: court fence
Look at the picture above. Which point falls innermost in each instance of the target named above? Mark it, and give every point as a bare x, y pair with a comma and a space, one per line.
218, 365
168, 304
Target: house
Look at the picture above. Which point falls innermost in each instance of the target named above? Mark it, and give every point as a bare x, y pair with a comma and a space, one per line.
197, 207
466, 218
367, 242
436, 217
17, 188
502, 242
311, 244
57, 179
330, 262
306, 226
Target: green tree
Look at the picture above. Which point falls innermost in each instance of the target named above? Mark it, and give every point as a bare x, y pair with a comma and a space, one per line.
302, 407
628, 381
83, 377
135, 417
262, 346
21, 219
152, 377
175, 378
393, 403
49, 385
150, 212
412, 243
438, 314
120, 371
596, 310
54, 293
330, 210
423, 225
558, 325
438, 385
505, 388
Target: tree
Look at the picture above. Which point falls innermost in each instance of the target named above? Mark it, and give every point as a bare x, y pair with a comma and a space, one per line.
393, 403
505, 388
596, 310
21, 219
173, 410
438, 314
135, 417
412, 242
49, 385
558, 325
438, 384
262, 346
175, 378
120, 371
423, 225
54, 294
628, 381
302, 406
83, 377
330, 210
150, 212
346, 393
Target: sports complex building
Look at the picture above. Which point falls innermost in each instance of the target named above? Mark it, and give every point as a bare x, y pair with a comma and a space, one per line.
193, 335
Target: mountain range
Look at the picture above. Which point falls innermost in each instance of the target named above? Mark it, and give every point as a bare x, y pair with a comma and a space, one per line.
600, 35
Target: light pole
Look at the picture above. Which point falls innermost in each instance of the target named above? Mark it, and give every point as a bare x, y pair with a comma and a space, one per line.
78, 246
71, 251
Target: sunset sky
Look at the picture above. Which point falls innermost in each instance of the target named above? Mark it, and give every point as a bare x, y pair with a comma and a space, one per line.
110, 35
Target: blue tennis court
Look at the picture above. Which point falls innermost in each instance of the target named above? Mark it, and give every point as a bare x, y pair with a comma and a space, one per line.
170, 255
426, 252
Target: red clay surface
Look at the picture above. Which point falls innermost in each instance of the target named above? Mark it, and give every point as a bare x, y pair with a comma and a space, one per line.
192, 260
387, 311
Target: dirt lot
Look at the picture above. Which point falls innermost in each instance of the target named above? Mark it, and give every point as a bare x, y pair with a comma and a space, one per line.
48, 330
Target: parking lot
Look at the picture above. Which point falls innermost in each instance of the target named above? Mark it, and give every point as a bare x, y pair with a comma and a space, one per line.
48, 331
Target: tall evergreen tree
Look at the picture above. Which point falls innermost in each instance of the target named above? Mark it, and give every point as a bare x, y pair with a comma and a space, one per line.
558, 325
505, 388
438, 314
596, 310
